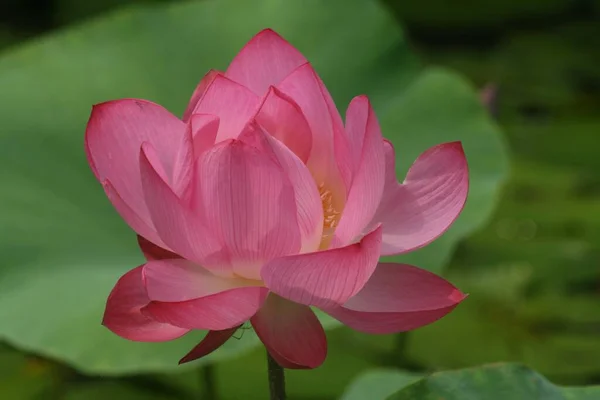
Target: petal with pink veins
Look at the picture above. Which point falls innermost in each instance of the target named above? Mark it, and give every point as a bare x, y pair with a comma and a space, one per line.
200, 135
203, 130
291, 333
218, 311
325, 278
177, 225
398, 298
248, 203
264, 61
183, 169
419, 210
233, 103
198, 92
181, 280
123, 317
367, 153
132, 219
154, 252
327, 162
282, 118
114, 134
308, 200
212, 341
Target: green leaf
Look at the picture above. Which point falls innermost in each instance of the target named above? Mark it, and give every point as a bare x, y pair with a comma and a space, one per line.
584, 393
25, 377
492, 382
63, 245
112, 390
378, 384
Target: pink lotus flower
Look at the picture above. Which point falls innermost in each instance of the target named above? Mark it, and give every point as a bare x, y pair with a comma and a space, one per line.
261, 203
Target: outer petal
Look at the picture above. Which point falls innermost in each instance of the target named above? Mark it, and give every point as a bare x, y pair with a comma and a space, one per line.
219, 311
282, 118
199, 91
181, 280
432, 196
200, 135
154, 252
291, 333
397, 298
212, 341
328, 165
139, 225
203, 129
368, 155
183, 169
325, 278
114, 134
123, 317
249, 204
265, 60
233, 103
308, 200
177, 225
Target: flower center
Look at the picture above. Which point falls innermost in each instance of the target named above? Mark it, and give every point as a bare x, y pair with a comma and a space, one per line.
331, 216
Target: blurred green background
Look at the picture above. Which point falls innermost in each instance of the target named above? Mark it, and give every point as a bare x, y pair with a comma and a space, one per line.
532, 266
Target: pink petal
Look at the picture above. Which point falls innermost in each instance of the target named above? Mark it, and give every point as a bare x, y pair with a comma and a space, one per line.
180, 228
308, 201
326, 278
212, 341
291, 333
132, 219
249, 204
200, 135
327, 162
219, 311
114, 134
183, 169
397, 298
282, 118
233, 103
123, 317
264, 61
203, 129
367, 153
429, 200
181, 280
154, 252
199, 91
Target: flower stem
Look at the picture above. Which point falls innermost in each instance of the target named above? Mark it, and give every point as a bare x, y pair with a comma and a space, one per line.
208, 382
276, 379
400, 358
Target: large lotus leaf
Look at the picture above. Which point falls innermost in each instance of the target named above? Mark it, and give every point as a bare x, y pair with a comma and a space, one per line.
500, 381
25, 377
378, 384
493, 382
64, 247
112, 390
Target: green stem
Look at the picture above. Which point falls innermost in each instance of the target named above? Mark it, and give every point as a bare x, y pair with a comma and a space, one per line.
400, 358
400, 345
208, 381
276, 379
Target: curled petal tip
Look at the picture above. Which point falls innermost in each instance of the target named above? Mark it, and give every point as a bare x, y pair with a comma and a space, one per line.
267, 31
457, 296
456, 145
